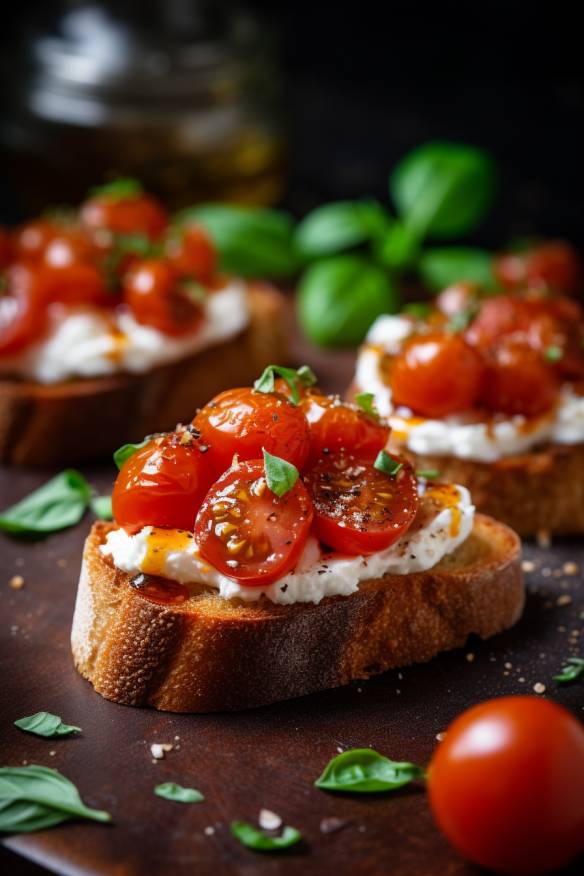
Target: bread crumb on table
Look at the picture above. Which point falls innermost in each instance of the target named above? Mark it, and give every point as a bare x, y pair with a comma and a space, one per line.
527, 565
16, 582
570, 568
269, 820
564, 599
544, 538
539, 688
158, 749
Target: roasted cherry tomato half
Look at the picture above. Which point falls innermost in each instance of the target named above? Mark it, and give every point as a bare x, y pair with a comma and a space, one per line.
191, 253
30, 240
518, 381
162, 484
153, 292
436, 374
554, 266
358, 509
336, 426
137, 213
77, 283
68, 248
245, 422
249, 533
506, 785
23, 315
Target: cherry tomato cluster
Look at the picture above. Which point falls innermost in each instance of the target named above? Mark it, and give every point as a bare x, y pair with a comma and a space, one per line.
211, 478
506, 354
118, 249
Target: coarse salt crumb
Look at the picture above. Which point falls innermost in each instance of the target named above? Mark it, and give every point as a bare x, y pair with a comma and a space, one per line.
440, 736
521, 680
331, 824
209, 830
539, 688
470, 657
52, 753
570, 568
544, 538
564, 599
62, 563
158, 749
16, 582
527, 565
508, 666
269, 820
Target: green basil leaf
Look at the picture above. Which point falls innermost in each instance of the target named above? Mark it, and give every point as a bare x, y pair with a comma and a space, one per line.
340, 297
553, 353
429, 474
280, 475
443, 189
253, 838
399, 247
118, 189
365, 771
251, 241
440, 268
127, 450
573, 669
418, 309
461, 320
34, 797
59, 503
303, 376
385, 463
366, 400
102, 507
334, 227
172, 791
46, 724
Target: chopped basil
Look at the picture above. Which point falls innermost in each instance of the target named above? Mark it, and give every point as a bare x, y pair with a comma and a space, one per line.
102, 507
428, 474
553, 353
117, 189
280, 475
295, 378
387, 464
46, 724
573, 669
192, 290
419, 309
459, 321
253, 838
365, 402
365, 771
35, 797
127, 450
172, 791
59, 503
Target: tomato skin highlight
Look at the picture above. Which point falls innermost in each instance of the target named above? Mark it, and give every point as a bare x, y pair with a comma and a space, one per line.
337, 426
162, 484
358, 509
506, 785
247, 532
245, 422
151, 290
437, 374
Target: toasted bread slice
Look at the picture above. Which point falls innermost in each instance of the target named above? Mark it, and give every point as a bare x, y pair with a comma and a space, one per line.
211, 654
81, 419
541, 491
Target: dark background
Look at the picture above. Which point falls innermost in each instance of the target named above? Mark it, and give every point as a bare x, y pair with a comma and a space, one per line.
367, 81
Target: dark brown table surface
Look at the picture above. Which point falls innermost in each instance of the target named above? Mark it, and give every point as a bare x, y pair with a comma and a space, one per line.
265, 758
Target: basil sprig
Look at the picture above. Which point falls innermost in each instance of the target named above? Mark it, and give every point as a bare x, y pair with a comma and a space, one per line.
365, 400
295, 378
280, 475
117, 189
172, 791
35, 797
127, 450
59, 503
573, 669
334, 227
253, 838
387, 464
365, 771
47, 725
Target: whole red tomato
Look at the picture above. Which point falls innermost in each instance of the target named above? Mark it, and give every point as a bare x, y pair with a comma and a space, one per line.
506, 785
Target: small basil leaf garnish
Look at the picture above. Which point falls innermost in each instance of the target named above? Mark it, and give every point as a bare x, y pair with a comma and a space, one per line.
125, 187
428, 474
127, 450
59, 503
280, 475
102, 507
365, 771
35, 797
47, 725
418, 309
442, 267
365, 401
573, 669
303, 376
385, 463
461, 320
253, 838
553, 353
172, 791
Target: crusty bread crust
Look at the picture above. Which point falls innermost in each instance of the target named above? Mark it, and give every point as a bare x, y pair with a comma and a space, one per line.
87, 418
541, 491
211, 654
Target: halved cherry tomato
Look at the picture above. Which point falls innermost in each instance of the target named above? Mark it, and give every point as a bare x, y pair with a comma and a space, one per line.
5, 248
358, 509
436, 374
153, 291
132, 214
67, 248
336, 426
518, 381
77, 283
245, 422
506, 785
23, 314
249, 533
553, 266
162, 484
192, 254
30, 240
